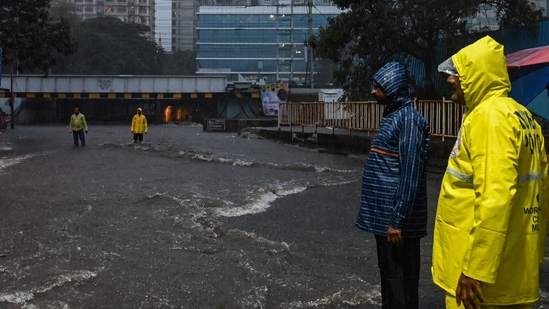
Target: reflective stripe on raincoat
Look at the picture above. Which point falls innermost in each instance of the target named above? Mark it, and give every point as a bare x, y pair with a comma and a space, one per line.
492, 210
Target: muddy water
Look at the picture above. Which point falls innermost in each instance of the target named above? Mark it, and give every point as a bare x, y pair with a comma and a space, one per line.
187, 219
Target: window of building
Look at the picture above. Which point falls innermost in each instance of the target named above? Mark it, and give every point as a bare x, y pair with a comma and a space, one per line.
284, 67
121, 9
284, 53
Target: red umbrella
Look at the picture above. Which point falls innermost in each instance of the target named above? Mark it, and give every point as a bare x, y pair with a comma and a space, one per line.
529, 73
530, 56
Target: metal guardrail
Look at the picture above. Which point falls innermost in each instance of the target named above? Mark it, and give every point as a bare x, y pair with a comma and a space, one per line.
443, 116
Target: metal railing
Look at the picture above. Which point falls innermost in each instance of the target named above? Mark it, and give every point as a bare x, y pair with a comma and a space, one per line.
443, 116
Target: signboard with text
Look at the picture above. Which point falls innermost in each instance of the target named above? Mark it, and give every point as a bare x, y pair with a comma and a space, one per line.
215, 125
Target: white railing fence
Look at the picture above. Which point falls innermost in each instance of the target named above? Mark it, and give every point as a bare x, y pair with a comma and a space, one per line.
444, 116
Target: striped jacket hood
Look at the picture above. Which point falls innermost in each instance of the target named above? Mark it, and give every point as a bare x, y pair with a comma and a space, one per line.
392, 78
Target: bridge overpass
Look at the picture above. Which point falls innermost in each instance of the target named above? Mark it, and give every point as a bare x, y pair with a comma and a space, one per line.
115, 97
111, 86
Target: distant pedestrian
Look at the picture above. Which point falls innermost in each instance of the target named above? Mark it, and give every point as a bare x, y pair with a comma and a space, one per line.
491, 218
139, 126
78, 126
394, 189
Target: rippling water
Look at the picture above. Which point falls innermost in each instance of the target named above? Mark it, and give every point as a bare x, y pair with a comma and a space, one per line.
188, 219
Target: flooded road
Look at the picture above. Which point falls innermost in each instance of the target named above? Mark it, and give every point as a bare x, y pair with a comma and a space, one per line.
188, 219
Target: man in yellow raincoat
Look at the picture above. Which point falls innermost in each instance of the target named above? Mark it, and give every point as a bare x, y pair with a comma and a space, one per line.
78, 126
491, 218
139, 126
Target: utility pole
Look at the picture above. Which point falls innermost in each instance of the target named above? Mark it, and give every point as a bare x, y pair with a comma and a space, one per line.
311, 52
12, 98
12, 95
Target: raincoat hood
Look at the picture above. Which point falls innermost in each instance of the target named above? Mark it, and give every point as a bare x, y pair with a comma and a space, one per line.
392, 77
482, 70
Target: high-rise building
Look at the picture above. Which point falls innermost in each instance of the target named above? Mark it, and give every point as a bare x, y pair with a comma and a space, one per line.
184, 33
486, 18
542, 4
131, 11
261, 39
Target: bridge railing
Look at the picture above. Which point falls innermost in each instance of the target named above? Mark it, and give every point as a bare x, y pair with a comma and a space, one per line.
443, 116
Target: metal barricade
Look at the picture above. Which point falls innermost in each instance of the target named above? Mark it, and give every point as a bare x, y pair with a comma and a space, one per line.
443, 116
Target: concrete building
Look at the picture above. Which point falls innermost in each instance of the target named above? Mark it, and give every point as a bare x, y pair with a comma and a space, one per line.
131, 11
184, 24
542, 4
486, 19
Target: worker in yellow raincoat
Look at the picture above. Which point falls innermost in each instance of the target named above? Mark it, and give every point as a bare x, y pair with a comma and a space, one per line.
139, 126
491, 218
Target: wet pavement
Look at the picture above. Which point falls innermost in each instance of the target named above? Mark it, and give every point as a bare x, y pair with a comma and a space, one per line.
187, 219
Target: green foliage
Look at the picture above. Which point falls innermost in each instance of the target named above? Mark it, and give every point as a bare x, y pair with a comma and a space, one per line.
110, 46
180, 63
30, 38
372, 32
64, 9
514, 13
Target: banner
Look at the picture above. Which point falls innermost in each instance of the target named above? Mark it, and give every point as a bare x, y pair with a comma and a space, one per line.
271, 96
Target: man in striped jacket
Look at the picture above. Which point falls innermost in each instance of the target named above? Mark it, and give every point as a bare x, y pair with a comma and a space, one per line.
394, 189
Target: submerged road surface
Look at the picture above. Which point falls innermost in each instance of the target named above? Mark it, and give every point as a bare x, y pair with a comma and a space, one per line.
187, 219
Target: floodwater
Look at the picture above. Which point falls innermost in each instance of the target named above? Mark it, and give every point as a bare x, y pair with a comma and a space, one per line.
187, 219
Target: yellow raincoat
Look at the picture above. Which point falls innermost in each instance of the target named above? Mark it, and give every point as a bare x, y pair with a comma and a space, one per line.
492, 210
139, 124
78, 123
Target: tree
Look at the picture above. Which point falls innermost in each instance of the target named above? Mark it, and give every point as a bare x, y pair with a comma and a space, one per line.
515, 13
29, 37
110, 46
372, 32
64, 9
180, 63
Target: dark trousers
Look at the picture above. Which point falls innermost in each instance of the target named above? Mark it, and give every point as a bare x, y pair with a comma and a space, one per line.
138, 137
79, 135
399, 270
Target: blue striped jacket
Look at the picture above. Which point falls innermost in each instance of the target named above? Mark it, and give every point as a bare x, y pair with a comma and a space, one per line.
394, 185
